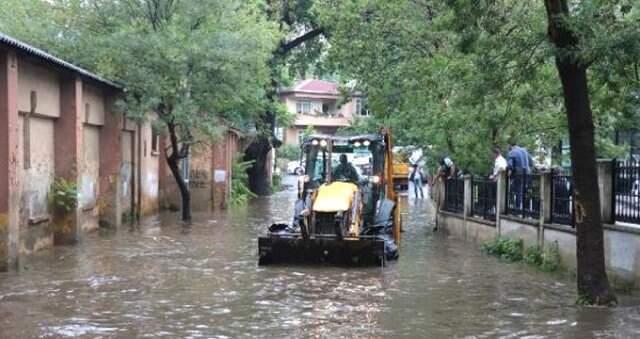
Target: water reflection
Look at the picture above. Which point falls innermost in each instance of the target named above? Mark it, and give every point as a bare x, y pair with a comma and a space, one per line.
159, 281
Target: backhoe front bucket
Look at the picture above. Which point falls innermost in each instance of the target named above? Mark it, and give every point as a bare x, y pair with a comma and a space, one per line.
325, 249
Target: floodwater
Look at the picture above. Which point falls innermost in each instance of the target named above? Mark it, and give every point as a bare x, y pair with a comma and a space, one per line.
161, 280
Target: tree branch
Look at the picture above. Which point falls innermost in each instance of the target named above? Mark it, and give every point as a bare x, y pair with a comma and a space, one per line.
285, 47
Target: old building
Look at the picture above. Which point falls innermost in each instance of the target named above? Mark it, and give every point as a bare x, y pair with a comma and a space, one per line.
57, 121
318, 104
207, 171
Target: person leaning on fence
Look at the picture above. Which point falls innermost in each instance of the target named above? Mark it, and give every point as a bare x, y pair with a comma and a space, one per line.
499, 164
447, 168
518, 168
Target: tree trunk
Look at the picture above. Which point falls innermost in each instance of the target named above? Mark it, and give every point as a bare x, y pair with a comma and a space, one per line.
185, 193
173, 160
593, 285
258, 173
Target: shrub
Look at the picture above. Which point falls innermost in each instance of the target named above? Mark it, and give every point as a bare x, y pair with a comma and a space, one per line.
63, 195
551, 260
547, 259
507, 249
534, 256
240, 192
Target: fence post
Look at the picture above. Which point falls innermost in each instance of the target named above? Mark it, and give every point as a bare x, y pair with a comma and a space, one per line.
546, 203
605, 185
467, 196
501, 200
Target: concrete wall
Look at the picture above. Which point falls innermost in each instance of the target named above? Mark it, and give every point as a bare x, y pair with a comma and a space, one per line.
470, 229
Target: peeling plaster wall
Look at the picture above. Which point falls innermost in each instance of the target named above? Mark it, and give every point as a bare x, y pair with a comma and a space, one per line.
45, 83
149, 177
88, 187
200, 179
35, 229
126, 171
94, 101
35, 226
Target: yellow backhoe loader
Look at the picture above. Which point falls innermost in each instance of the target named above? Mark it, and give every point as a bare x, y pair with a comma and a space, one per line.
345, 214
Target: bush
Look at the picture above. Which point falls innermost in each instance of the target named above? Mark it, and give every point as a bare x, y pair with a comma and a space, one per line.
547, 259
534, 256
551, 260
63, 195
240, 192
507, 249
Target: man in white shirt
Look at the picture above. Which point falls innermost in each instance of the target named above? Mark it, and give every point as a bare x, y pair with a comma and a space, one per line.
499, 164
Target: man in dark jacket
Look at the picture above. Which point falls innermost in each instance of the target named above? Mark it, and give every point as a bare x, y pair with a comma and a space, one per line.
345, 171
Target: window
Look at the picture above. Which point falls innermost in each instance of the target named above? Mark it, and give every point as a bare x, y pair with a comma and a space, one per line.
361, 107
303, 107
279, 133
325, 108
300, 136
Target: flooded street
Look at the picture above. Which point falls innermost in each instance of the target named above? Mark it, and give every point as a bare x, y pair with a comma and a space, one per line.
160, 280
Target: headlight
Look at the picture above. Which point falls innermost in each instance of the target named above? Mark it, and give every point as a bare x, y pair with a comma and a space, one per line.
323, 143
375, 179
314, 142
367, 143
357, 144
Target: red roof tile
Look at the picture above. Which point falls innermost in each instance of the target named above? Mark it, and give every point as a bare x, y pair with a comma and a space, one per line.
318, 86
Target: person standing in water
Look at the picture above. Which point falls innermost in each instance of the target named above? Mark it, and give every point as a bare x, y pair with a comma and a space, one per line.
416, 178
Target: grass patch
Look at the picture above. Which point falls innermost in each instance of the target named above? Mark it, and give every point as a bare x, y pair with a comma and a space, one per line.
547, 259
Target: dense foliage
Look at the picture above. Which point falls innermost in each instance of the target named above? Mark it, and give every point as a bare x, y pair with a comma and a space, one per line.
460, 77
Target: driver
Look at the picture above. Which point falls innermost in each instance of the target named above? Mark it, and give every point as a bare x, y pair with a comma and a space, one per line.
345, 171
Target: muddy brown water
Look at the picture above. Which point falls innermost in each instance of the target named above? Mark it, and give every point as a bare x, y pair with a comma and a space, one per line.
163, 281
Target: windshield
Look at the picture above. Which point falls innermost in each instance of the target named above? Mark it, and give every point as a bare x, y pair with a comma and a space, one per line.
348, 161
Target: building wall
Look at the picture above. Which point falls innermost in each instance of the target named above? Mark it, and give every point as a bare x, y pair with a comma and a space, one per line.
44, 82
210, 170
149, 181
39, 105
55, 123
89, 178
35, 228
127, 171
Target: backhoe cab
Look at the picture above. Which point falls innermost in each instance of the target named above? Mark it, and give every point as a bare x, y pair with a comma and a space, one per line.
346, 210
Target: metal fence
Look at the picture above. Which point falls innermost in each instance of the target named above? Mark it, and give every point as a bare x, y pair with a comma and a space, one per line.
454, 195
562, 211
523, 195
626, 188
483, 198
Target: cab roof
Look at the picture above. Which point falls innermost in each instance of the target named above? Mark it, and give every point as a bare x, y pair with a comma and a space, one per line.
360, 137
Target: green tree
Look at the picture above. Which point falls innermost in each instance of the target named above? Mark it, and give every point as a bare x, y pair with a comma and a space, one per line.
297, 50
461, 76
